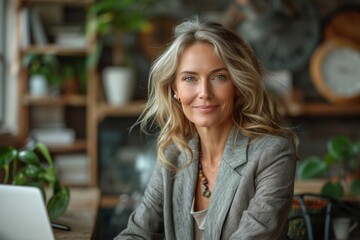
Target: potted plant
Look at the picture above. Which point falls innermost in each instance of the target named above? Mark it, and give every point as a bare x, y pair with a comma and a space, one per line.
113, 23
25, 167
44, 73
73, 76
340, 165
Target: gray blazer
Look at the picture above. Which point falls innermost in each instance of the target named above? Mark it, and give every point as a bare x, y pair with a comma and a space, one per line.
251, 198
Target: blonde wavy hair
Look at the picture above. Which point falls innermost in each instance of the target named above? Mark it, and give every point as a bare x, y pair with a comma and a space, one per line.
255, 112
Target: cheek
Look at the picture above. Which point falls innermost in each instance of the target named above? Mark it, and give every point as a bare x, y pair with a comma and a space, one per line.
187, 95
226, 94
228, 106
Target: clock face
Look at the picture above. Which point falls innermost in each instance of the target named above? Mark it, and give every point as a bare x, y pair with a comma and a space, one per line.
335, 70
294, 35
341, 70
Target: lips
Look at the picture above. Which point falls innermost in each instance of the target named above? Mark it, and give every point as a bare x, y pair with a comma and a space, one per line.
206, 108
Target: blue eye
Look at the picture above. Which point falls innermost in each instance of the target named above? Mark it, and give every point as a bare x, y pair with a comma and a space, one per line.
220, 77
189, 79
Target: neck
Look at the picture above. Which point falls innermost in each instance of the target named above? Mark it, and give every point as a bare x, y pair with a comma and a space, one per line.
212, 145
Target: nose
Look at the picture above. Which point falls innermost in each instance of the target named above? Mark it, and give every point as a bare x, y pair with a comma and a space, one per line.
205, 89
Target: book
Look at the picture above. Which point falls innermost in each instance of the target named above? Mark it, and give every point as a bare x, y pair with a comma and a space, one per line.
54, 136
72, 168
71, 35
25, 27
48, 117
37, 28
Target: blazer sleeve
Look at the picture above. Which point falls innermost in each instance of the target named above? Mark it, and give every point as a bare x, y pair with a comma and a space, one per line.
146, 222
267, 214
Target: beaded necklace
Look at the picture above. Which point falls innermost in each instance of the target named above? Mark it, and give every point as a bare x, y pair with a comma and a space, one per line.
204, 182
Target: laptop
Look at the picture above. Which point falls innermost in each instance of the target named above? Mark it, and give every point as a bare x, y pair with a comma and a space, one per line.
23, 214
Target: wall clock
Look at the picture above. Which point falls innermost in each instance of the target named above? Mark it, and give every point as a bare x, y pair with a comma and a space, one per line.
335, 70
290, 31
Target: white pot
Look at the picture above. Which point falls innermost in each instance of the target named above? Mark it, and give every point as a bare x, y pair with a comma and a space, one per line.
38, 85
119, 84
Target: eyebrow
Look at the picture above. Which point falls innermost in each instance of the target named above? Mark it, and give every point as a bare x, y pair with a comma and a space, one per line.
212, 72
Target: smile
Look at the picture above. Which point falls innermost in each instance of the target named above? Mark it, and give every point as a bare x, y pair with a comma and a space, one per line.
206, 108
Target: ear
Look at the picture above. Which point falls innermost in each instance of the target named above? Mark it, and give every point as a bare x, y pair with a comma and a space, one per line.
173, 87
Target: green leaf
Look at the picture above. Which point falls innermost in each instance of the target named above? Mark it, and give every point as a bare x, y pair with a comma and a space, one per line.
6, 170
49, 175
329, 160
19, 178
7, 154
341, 148
93, 58
32, 171
355, 187
58, 203
29, 157
356, 147
29, 59
312, 167
334, 190
45, 152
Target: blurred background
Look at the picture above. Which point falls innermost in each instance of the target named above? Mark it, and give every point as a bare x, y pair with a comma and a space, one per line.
73, 75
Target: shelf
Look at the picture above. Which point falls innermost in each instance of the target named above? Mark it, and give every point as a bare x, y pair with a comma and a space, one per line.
321, 109
113, 201
72, 100
132, 109
109, 201
10, 140
67, 2
294, 105
78, 145
56, 50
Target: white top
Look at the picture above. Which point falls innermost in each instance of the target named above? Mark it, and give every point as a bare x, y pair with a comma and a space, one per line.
199, 223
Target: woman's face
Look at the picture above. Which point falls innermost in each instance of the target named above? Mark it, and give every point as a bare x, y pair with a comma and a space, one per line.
204, 87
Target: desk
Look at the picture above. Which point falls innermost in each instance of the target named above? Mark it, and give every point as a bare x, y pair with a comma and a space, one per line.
81, 214
309, 186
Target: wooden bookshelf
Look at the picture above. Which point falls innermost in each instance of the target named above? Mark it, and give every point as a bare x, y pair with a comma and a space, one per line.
75, 107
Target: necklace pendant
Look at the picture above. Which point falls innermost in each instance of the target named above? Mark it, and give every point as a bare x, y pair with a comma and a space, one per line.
206, 193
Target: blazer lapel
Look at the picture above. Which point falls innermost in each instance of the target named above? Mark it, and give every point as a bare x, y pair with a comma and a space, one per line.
226, 183
184, 188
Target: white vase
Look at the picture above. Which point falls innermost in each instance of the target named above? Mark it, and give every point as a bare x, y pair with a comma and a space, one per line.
38, 85
119, 84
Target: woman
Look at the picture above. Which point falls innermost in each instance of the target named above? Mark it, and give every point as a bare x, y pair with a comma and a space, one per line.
226, 163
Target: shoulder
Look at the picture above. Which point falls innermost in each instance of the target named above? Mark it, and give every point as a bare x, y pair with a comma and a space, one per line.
270, 148
271, 142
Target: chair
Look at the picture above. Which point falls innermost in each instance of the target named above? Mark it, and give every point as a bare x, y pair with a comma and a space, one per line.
308, 214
